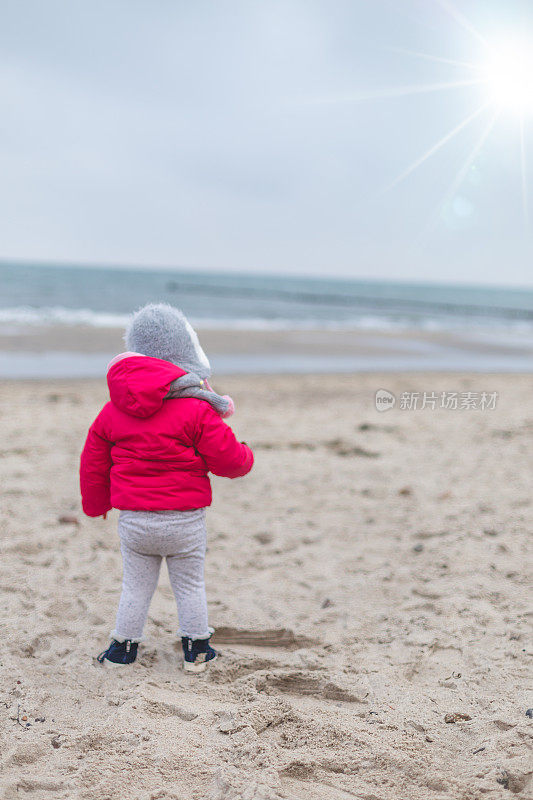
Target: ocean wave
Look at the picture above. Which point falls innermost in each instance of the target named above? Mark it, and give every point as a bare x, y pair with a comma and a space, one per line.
15, 320
58, 315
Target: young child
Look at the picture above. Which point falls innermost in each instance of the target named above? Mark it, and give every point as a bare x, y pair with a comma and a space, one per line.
148, 453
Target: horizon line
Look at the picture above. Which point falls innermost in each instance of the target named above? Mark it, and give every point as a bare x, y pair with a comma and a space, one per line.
60, 264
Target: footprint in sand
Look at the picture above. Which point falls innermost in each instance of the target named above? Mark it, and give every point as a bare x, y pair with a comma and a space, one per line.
26, 785
301, 683
276, 637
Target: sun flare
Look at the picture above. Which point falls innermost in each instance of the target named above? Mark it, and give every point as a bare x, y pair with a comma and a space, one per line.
508, 75
499, 78
502, 83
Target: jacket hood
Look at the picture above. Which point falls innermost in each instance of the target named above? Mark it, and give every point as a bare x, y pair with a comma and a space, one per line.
138, 384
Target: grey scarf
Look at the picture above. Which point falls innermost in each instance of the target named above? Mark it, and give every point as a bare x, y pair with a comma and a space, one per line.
191, 385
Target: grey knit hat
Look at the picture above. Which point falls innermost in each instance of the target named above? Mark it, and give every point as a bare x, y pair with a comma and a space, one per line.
162, 331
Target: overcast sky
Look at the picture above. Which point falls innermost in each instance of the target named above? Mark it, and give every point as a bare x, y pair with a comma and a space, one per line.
242, 134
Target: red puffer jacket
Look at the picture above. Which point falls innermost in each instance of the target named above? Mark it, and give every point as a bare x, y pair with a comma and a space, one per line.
145, 453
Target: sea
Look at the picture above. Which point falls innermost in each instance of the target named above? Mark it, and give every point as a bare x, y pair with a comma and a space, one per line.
35, 295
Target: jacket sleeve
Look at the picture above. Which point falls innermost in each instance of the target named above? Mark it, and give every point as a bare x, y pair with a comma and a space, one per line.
216, 443
95, 467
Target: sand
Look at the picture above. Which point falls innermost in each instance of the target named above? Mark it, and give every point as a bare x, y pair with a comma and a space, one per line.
368, 578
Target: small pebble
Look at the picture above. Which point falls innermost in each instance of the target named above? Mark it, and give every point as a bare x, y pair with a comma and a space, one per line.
503, 779
456, 716
405, 491
418, 548
68, 519
227, 723
529, 713
263, 537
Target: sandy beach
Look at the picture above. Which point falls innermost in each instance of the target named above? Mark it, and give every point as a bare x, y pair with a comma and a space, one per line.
369, 582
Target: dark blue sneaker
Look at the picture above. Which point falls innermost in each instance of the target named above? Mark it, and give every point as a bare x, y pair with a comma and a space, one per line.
197, 653
119, 654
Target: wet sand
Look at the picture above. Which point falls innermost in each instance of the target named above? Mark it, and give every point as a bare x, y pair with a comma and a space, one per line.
81, 351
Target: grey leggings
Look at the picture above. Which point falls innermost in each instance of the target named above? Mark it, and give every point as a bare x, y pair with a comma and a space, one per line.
146, 537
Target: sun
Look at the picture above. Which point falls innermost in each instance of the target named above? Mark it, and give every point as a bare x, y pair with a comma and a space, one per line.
502, 85
508, 75
500, 79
